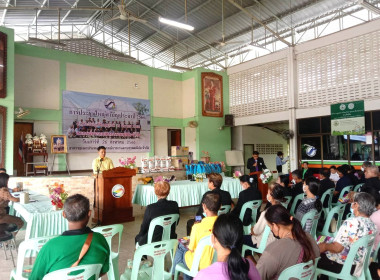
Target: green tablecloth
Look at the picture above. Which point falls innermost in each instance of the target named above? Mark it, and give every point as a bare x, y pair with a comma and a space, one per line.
41, 219
186, 193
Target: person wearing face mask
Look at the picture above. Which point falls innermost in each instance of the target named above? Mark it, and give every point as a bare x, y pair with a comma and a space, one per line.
226, 238
343, 182
333, 255
294, 245
248, 193
211, 205
283, 181
310, 188
275, 196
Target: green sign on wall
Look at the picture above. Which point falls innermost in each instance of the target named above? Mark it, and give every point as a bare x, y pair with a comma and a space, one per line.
348, 118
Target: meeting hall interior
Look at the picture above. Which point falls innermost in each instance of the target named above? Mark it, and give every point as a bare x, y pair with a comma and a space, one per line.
189, 139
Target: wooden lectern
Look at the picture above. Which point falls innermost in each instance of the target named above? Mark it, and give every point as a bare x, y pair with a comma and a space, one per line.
263, 188
113, 196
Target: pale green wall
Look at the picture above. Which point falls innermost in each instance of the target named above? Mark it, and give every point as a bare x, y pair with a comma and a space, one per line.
8, 102
209, 138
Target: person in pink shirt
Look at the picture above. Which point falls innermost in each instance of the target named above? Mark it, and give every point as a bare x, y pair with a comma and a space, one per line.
227, 238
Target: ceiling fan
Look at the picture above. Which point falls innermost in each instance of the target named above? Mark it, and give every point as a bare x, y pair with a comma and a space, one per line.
223, 42
125, 15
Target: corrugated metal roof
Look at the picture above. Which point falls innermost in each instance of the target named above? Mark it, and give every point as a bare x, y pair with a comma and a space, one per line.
155, 39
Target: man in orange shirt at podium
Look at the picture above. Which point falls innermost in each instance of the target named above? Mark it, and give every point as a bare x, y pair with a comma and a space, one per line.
102, 162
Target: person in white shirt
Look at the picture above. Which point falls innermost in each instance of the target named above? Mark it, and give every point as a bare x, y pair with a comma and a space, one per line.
334, 174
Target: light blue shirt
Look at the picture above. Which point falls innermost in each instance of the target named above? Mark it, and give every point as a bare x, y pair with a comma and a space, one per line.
280, 161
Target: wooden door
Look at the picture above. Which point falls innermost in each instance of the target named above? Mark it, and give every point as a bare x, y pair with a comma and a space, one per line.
20, 128
174, 139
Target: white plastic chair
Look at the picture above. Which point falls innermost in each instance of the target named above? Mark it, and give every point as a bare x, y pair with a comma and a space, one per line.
254, 205
109, 232
84, 272
205, 241
25, 249
156, 250
224, 209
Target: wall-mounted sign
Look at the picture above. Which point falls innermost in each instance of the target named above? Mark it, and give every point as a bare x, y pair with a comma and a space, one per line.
348, 118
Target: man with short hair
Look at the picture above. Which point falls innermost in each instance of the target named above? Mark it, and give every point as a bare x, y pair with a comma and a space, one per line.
101, 163
365, 165
306, 172
297, 187
255, 163
372, 183
63, 251
215, 181
325, 184
210, 205
3, 170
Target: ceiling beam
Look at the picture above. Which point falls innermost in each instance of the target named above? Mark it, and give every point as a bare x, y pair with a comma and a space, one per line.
185, 31
33, 8
68, 12
7, 2
252, 16
38, 12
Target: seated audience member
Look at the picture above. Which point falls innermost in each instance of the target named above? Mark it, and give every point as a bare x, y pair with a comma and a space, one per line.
226, 238
351, 172
5, 198
248, 193
294, 245
3, 170
63, 251
161, 208
333, 255
361, 177
297, 187
325, 184
211, 205
372, 182
334, 176
311, 202
275, 196
365, 165
343, 182
283, 181
306, 172
215, 181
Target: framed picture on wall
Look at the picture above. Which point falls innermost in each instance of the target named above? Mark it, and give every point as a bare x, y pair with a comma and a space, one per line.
212, 95
58, 144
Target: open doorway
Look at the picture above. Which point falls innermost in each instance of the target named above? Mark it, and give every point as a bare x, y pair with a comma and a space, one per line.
21, 128
248, 150
174, 139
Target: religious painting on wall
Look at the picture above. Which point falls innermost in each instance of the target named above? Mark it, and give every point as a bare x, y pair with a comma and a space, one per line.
121, 124
58, 144
212, 95
3, 65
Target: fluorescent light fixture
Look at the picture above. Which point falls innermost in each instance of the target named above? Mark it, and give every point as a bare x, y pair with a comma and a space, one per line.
176, 23
49, 42
369, 6
180, 68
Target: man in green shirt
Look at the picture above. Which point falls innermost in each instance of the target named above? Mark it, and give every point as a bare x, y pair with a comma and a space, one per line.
63, 251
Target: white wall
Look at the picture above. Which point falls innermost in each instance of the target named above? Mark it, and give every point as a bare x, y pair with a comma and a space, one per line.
257, 135
188, 97
167, 98
36, 83
191, 140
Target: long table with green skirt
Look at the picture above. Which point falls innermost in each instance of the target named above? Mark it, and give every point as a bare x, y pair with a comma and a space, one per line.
186, 193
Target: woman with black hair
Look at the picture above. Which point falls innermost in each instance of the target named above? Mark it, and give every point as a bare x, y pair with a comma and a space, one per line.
275, 196
344, 181
311, 187
226, 238
294, 245
249, 193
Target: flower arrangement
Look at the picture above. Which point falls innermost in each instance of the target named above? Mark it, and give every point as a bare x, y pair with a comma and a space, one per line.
266, 176
146, 180
237, 174
199, 177
128, 163
165, 179
58, 195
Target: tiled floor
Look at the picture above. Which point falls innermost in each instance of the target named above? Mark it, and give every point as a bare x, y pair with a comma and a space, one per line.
127, 246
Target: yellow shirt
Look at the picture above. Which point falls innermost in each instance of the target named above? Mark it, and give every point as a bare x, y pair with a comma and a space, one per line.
106, 164
199, 231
